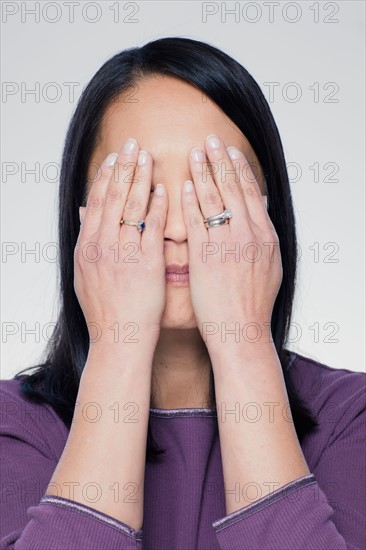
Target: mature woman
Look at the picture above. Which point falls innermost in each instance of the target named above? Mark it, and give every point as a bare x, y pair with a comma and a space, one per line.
168, 413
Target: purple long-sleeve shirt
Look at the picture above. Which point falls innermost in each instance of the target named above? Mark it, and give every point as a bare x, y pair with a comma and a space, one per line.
184, 495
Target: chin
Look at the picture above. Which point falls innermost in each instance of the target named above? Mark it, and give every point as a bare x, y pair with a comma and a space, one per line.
178, 314
178, 323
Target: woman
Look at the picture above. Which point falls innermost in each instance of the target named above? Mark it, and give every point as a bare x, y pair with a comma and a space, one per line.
168, 413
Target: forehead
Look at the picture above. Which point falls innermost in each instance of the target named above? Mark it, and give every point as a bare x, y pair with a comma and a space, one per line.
167, 116
170, 105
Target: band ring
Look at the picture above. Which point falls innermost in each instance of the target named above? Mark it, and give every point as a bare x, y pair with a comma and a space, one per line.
140, 224
218, 219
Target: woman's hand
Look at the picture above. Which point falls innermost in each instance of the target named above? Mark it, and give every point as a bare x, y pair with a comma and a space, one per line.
231, 280
119, 272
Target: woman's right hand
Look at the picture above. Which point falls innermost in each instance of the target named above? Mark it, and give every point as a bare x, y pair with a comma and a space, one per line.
119, 273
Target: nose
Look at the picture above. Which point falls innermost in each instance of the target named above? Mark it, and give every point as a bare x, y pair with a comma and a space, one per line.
175, 228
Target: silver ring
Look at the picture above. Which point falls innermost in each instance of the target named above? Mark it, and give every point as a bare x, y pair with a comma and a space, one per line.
218, 219
140, 224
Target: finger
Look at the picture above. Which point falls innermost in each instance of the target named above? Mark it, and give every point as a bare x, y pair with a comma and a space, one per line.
228, 183
255, 202
208, 194
152, 240
94, 206
136, 205
117, 196
193, 220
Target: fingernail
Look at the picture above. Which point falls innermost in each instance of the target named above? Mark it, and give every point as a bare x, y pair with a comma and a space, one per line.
213, 141
233, 152
110, 160
197, 154
80, 214
142, 158
188, 186
159, 189
130, 146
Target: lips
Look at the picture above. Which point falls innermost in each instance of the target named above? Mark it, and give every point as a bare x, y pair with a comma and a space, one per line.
176, 268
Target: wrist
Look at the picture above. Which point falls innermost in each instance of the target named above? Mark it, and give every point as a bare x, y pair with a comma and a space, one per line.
122, 334
230, 356
139, 354
248, 337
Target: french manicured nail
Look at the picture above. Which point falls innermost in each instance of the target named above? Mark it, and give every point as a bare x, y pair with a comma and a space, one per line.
142, 158
234, 153
188, 186
213, 141
110, 160
159, 189
197, 154
130, 146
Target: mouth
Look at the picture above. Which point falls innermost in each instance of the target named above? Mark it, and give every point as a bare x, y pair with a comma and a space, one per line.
177, 274
177, 269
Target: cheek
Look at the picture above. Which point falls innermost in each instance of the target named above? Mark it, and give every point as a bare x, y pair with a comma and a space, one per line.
178, 301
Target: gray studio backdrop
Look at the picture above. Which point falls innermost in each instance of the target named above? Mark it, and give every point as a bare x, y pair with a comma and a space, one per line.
308, 59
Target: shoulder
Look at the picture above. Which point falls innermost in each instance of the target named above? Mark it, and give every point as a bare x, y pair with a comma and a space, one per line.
10, 388
35, 423
15, 404
318, 383
337, 400
335, 396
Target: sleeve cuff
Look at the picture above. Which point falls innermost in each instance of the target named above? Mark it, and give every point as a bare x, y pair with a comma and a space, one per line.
263, 502
95, 514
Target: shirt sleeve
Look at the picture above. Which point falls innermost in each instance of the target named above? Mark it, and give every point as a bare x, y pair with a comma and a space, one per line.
325, 509
30, 519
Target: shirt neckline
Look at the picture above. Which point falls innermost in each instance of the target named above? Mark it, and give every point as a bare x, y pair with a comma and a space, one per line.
187, 412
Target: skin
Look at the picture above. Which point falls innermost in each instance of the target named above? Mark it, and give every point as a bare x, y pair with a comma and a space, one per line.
168, 120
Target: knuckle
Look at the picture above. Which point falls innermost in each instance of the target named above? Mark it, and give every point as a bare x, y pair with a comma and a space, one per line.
154, 222
133, 204
251, 190
194, 220
114, 194
95, 201
230, 186
212, 198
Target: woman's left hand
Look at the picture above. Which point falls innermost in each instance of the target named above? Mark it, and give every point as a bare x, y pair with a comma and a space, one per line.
231, 280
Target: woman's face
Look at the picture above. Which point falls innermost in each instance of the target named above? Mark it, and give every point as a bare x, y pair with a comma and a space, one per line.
168, 117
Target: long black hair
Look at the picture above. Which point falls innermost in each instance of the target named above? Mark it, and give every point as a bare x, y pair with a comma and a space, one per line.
233, 89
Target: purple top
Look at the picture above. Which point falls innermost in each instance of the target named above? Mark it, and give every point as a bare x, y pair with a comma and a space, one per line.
184, 499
